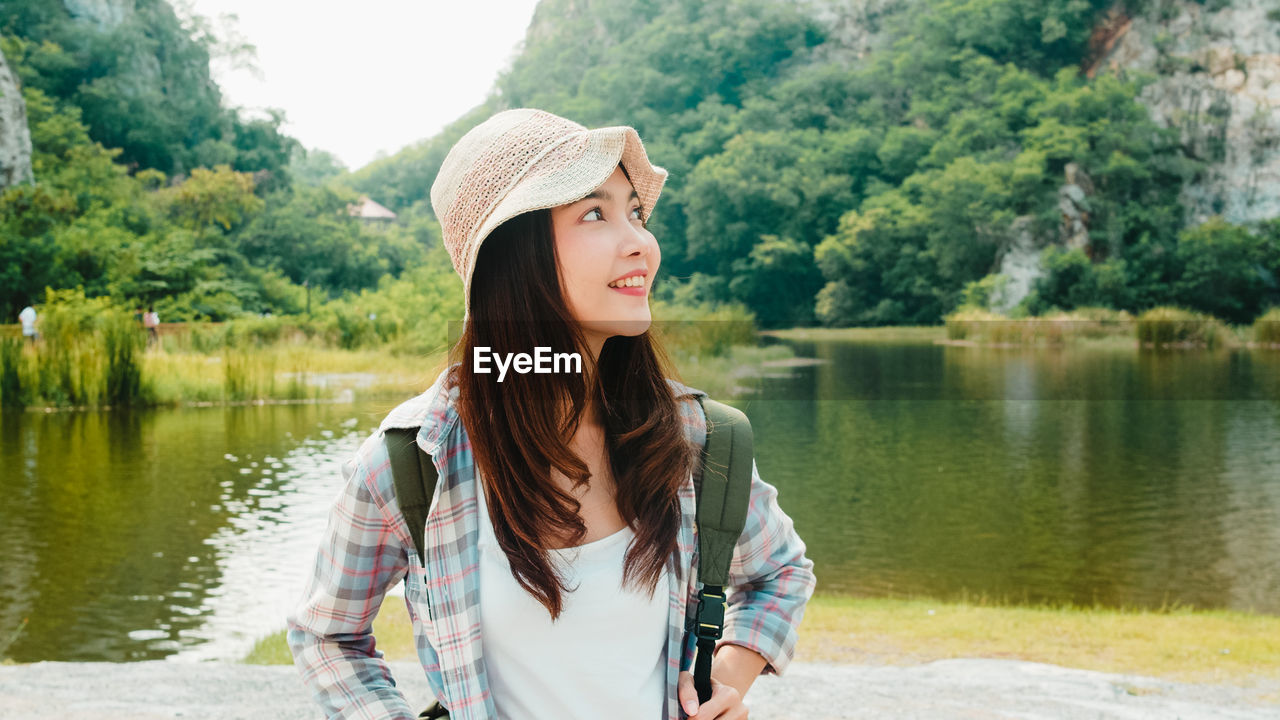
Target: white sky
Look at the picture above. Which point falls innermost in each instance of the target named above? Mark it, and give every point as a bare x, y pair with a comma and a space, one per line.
358, 78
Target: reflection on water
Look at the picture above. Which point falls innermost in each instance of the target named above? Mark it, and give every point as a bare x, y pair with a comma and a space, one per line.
1082, 476
138, 535
1121, 478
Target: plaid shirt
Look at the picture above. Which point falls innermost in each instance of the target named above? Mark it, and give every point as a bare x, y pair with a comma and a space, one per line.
367, 549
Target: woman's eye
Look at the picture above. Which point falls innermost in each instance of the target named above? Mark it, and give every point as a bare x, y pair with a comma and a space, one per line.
636, 209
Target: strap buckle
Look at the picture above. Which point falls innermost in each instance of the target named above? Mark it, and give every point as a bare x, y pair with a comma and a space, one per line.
709, 624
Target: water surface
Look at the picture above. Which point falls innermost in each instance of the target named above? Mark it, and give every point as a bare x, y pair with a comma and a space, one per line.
1084, 476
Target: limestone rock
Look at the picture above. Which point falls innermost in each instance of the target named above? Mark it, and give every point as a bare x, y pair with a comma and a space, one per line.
1218, 83
1020, 263
15, 138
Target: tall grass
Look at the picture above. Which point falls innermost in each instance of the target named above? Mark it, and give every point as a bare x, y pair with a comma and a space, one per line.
123, 347
1159, 327
1266, 329
11, 373
969, 323
94, 354
1172, 326
88, 354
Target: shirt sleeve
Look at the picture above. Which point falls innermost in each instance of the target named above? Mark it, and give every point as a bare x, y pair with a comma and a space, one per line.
330, 632
770, 580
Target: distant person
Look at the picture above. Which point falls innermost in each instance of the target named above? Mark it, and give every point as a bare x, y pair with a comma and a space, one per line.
151, 321
28, 319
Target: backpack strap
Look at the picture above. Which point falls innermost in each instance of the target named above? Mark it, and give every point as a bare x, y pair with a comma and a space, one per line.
414, 475
723, 493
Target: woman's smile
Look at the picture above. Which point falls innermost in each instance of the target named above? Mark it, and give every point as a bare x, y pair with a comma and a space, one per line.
633, 283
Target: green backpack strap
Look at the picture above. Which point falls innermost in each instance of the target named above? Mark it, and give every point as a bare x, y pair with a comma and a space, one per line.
723, 496
414, 475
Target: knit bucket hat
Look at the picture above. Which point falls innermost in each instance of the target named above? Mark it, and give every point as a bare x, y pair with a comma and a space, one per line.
526, 159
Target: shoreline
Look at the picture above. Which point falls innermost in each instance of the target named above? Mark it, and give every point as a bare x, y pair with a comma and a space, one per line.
1222, 647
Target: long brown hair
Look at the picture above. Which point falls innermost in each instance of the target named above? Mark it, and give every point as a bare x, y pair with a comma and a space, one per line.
520, 428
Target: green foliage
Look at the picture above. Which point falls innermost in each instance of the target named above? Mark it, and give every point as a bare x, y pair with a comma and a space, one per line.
410, 314
779, 277
314, 167
805, 183
142, 86
1072, 280
1223, 271
982, 293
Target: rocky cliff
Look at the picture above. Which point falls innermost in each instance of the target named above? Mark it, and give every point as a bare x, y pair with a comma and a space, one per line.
1219, 85
1217, 69
15, 138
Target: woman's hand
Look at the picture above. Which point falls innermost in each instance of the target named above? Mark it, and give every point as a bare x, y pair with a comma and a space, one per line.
725, 702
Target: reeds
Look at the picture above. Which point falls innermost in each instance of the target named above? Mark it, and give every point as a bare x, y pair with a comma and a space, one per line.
93, 354
88, 354
11, 373
979, 325
1162, 327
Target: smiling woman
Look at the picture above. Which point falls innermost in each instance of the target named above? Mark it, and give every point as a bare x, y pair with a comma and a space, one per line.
565, 502
607, 260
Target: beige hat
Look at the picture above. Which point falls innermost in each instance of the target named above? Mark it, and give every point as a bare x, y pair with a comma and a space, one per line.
526, 159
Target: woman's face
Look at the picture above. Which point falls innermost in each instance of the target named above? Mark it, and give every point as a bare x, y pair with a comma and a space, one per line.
600, 240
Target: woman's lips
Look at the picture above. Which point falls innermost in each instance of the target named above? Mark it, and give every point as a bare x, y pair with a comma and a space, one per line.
636, 291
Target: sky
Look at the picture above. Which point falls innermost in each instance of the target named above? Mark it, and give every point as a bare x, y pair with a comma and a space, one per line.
359, 78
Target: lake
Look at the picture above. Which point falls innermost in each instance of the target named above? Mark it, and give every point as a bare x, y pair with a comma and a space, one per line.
1086, 476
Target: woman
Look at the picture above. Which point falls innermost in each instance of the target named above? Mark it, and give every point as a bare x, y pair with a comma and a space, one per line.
559, 558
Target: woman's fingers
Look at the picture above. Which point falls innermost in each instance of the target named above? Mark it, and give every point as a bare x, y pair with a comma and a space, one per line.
724, 704
687, 693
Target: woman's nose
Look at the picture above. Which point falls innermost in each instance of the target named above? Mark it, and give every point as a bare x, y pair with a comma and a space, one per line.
637, 240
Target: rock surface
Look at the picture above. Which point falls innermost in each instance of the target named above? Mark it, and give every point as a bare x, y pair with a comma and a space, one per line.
15, 138
939, 690
1218, 83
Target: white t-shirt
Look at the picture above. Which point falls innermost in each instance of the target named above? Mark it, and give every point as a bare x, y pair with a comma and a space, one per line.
605, 657
28, 319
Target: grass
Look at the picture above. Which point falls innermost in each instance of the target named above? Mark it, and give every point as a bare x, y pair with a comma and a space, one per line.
284, 372
1181, 644
981, 326
1176, 327
304, 372
1160, 327
391, 627
1266, 329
